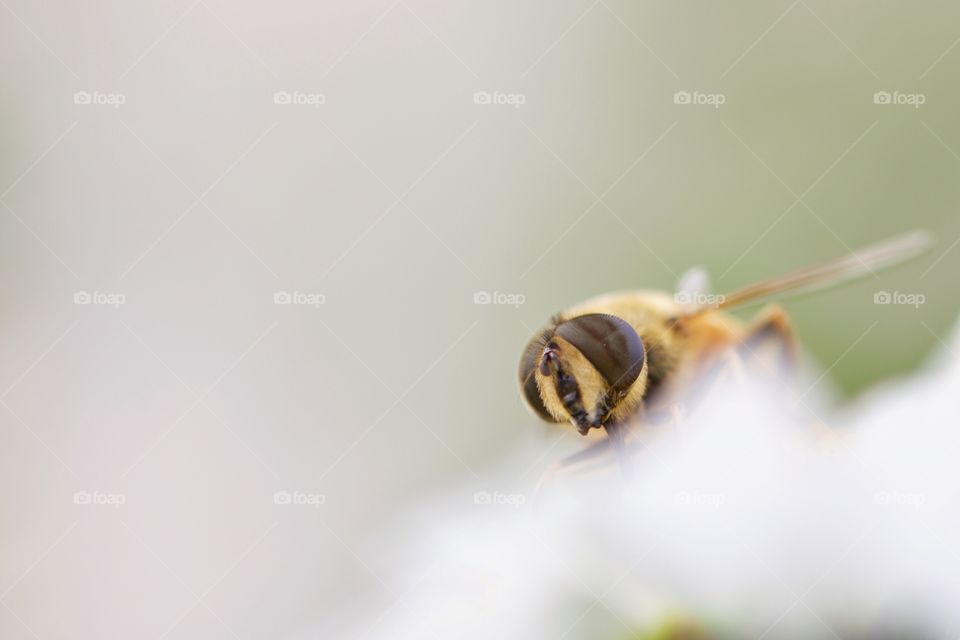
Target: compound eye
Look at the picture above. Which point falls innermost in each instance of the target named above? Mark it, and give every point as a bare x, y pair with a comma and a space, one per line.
610, 344
529, 362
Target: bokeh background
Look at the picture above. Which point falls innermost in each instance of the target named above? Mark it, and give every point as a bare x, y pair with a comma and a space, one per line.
219, 153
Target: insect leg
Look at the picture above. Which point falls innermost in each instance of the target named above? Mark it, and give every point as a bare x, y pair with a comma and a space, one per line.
723, 368
615, 435
572, 463
594, 457
770, 336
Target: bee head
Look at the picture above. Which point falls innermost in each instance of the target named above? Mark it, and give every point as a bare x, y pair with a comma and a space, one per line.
579, 369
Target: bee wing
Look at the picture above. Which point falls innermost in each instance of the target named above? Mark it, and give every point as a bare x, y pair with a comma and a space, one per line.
695, 280
859, 263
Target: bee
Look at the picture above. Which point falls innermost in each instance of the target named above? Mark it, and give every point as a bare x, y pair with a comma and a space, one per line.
599, 364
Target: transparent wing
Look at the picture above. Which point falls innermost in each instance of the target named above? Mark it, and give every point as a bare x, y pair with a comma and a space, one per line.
693, 288
694, 280
859, 263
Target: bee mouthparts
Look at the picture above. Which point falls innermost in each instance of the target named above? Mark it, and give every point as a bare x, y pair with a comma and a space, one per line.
548, 362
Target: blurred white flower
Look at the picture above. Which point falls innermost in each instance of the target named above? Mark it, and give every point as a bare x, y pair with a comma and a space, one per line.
745, 522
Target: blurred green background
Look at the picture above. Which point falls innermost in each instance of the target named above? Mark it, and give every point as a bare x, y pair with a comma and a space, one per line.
720, 189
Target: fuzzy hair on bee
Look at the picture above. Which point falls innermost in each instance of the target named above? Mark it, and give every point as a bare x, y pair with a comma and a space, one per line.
598, 364
584, 368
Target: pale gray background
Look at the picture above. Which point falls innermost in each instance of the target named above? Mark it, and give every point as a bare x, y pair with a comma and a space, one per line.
398, 199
